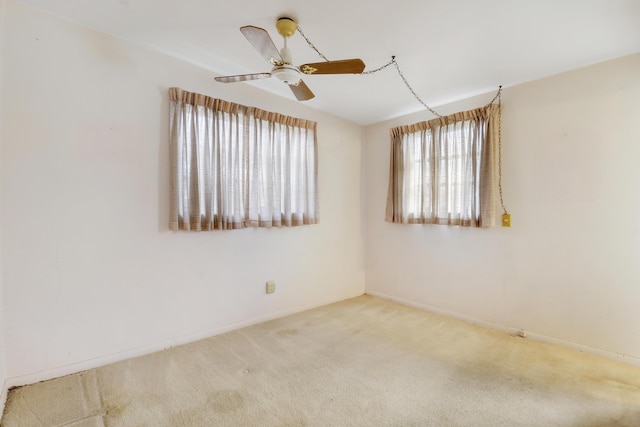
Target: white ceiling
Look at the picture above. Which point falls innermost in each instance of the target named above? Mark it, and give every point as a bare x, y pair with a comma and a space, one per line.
447, 50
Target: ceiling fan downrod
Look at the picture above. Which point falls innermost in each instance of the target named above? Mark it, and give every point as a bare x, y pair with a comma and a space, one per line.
286, 72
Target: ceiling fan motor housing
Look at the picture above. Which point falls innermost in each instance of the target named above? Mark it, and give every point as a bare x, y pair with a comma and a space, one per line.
286, 73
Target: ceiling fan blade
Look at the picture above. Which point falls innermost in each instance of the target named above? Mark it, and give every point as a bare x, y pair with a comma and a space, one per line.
242, 77
345, 66
301, 91
261, 41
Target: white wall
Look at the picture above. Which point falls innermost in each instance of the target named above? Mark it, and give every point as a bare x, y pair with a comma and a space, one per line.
568, 269
90, 271
3, 370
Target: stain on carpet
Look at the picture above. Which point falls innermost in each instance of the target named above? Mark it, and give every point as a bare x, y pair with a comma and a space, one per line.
226, 401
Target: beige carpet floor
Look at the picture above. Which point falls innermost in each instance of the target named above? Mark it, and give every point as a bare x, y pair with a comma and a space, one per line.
360, 362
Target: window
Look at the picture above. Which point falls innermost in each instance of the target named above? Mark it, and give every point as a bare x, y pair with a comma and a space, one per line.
234, 166
444, 171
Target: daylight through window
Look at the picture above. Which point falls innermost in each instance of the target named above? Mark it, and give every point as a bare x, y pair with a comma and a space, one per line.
444, 171
234, 166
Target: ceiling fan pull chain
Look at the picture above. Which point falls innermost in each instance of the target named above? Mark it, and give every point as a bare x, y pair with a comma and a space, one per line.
406, 83
499, 97
393, 61
311, 45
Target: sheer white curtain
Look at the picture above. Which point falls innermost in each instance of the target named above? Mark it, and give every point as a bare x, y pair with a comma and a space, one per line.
445, 171
234, 166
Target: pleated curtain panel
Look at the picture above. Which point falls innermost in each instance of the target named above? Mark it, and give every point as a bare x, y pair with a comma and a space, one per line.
445, 170
234, 166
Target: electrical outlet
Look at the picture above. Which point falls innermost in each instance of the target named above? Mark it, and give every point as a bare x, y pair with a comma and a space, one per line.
271, 287
506, 220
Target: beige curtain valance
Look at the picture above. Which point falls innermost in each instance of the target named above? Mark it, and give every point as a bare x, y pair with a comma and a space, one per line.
478, 113
191, 98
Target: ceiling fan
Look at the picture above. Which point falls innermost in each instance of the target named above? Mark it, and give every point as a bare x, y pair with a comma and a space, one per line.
283, 68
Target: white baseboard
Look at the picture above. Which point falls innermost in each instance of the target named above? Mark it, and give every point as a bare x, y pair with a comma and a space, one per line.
630, 360
141, 351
